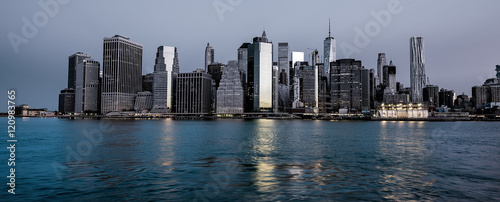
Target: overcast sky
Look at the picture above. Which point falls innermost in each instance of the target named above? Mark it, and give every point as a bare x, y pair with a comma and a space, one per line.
462, 44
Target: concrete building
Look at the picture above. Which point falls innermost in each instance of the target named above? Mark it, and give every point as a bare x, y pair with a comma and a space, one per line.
122, 74
143, 101
417, 69
231, 94
447, 98
164, 76
194, 92
87, 86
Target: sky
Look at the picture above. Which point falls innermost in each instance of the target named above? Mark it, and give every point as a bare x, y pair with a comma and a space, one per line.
461, 38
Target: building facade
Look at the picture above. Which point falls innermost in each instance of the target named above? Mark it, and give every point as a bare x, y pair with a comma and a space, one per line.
164, 76
260, 75
209, 56
122, 73
330, 52
283, 77
143, 101
417, 69
67, 101
347, 83
73, 60
194, 93
87, 86
381, 62
231, 94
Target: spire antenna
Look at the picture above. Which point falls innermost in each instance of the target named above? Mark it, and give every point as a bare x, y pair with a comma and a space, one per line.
329, 28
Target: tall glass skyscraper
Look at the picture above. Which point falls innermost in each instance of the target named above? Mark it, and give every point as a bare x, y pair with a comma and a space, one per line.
209, 56
330, 52
260, 74
164, 76
73, 60
417, 69
87, 86
122, 73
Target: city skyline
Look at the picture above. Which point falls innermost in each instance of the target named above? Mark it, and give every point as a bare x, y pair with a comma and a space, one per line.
447, 47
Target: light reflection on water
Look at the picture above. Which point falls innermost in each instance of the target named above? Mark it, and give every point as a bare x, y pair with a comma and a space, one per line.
262, 160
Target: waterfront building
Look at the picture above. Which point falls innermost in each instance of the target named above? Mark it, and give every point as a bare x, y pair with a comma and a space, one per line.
231, 94
417, 69
347, 83
260, 73
194, 92
122, 73
216, 70
488, 94
67, 101
164, 76
402, 111
143, 101
87, 86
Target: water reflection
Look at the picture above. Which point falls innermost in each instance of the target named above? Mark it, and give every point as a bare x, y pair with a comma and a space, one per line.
404, 172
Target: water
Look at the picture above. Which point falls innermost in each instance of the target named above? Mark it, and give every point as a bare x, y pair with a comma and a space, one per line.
254, 160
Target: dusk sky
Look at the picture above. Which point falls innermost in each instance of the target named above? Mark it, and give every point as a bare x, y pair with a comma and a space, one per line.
461, 38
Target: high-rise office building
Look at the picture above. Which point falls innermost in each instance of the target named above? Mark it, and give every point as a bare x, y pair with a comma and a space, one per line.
330, 52
389, 78
381, 62
348, 79
164, 75
283, 77
230, 94
417, 69
73, 60
243, 57
209, 56
143, 101
216, 70
194, 93
260, 75
122, 73
297, 58
67, 101
447, 97
147, 82
87, 86
431, 95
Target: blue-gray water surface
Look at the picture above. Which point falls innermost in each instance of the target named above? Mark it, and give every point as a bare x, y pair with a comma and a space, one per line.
252, 160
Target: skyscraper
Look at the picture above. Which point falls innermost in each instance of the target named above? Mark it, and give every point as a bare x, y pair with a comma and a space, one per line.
230, 94
67, 101
87, 86
193, 92
122, 73
349, 78
260, 75
283, 77
164, 75
381, 62
209, 56
330, 52
73, 60
389, 78
417, 69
